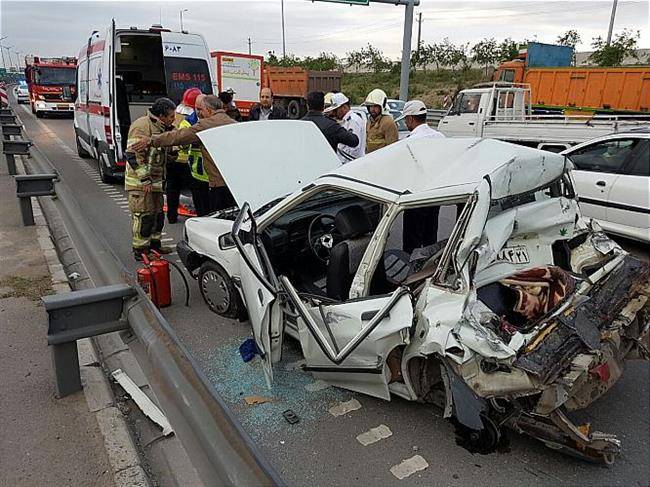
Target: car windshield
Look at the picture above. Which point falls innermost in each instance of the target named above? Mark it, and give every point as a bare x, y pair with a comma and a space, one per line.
55, 76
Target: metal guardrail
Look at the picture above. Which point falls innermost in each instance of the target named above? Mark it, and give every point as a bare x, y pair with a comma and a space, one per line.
434, 116
33, 185
219, 448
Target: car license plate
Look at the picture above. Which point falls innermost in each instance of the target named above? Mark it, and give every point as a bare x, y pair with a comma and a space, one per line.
62, 107
517, 254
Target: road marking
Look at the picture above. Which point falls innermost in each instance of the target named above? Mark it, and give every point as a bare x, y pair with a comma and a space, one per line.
167, 240
373, 435
345, 407
408, 467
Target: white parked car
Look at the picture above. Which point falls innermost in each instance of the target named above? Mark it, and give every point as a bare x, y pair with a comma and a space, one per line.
514, 311
22, 92
612, 179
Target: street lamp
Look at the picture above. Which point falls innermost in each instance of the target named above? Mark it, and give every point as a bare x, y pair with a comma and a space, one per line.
181, 12
2, 53
9, 55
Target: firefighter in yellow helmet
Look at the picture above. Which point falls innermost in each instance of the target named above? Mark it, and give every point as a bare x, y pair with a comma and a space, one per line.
144, 177
381, 129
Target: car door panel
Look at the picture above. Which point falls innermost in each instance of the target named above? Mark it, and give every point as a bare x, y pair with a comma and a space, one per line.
593, 191
347, 344
628, 203
260, 295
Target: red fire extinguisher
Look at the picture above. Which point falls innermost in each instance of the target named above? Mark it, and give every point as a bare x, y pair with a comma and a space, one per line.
155, 280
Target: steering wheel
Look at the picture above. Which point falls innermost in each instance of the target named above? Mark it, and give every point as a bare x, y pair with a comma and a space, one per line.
321, 235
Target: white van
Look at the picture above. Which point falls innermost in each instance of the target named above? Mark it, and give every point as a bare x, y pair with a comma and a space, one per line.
120, 74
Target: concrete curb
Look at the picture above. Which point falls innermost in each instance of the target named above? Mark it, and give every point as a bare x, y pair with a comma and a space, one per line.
120, 448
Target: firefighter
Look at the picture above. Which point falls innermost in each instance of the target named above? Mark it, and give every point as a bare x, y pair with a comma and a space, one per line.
211, 114
381, 129
144, 177
178, 172
192, 154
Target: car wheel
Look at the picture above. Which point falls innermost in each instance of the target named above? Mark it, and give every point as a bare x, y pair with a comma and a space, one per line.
39, 114
218, 290
293, 110
81, 151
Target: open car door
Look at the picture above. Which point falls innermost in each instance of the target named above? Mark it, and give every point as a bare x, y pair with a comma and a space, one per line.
347, 344
260, 292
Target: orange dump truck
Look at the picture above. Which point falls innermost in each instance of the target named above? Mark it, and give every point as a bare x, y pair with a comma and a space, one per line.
558, 86
291, 85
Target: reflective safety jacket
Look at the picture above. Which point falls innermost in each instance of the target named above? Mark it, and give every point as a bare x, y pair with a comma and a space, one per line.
192, 155
148, 166
380, 132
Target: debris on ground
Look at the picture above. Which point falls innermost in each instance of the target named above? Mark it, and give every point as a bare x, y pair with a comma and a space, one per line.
408, 467
374, 435
290, 416
253, 400
345, 407
32, 288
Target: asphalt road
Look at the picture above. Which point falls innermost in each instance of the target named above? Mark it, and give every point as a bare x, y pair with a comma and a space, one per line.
321, 449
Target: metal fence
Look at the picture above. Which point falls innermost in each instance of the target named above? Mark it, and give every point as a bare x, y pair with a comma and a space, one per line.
434, 116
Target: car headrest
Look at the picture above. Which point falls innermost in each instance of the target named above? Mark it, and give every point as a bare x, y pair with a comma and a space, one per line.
351, 222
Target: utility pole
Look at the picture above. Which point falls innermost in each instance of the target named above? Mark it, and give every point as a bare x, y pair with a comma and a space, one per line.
284, 47
406, 52
181, 12
611, 23
419, 31
249, 46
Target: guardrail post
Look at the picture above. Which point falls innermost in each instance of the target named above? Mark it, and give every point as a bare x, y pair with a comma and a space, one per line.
12, 148
33, 185
81, 314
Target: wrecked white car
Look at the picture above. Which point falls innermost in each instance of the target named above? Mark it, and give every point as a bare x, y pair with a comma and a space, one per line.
457, 272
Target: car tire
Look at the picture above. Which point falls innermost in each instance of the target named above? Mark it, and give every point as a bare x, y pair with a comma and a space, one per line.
83, 153
39, 114
218, 290
293, 109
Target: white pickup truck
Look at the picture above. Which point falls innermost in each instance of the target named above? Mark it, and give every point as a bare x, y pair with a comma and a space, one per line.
503, 111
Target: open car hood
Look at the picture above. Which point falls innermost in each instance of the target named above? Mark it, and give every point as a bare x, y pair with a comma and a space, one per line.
265, 160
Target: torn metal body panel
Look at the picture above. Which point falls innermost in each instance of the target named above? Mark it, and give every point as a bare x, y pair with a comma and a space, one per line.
521, 311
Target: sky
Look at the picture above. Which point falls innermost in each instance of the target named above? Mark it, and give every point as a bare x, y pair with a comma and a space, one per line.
56, 28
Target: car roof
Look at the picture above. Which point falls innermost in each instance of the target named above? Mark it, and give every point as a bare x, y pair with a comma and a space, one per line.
418, 166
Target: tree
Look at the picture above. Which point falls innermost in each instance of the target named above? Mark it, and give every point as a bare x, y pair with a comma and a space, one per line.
507, 50
368, 57
623, 45
570, 38
485, 52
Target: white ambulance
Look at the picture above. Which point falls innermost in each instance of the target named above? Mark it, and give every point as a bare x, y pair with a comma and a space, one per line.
120, 74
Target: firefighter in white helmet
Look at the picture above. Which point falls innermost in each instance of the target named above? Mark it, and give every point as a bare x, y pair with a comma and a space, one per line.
381, 129
352, 121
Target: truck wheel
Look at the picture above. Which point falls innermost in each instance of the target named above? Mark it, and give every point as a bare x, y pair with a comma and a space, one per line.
293, 109
105, 176
219, 291
80, 150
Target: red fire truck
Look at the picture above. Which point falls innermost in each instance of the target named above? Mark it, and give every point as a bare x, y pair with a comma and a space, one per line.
51, 83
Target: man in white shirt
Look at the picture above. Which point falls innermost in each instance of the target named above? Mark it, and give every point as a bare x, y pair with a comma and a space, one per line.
415, 118
420, 228
352, 121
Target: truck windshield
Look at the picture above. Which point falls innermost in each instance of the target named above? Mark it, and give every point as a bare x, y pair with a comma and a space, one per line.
183, 73
55, 76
